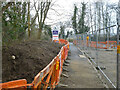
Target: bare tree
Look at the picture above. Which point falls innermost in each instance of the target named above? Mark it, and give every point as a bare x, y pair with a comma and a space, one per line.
6, 6
103, 18
42, 14
106, 20
98, 8
95, 24
91, 18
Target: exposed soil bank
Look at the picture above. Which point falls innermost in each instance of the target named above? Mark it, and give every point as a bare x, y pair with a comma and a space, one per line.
30, 58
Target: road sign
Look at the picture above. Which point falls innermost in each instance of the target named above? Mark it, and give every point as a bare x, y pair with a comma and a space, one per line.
55, 32
55, 35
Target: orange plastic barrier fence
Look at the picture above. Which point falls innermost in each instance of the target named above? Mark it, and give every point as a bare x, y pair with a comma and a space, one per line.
75, 42
17, 84
101, 45
48, 77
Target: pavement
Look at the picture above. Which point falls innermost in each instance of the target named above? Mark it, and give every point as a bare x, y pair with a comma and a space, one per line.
81, 72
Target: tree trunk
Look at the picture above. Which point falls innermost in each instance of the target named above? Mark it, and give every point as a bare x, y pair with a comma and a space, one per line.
39, 33
28, 19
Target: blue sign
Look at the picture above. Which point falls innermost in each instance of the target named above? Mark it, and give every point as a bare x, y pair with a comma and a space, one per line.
55, 32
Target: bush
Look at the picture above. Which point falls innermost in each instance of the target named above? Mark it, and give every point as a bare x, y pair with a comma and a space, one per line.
70, 40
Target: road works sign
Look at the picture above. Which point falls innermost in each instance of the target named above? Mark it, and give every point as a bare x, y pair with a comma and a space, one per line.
55, 35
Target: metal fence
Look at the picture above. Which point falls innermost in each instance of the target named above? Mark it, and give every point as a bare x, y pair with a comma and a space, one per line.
101, 47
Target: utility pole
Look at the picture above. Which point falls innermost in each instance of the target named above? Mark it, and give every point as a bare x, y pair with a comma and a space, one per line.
118, 46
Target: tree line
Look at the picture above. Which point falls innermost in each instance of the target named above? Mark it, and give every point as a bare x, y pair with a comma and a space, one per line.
19, 23
93, 16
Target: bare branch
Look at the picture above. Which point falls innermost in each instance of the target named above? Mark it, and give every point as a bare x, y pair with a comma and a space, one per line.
7, 5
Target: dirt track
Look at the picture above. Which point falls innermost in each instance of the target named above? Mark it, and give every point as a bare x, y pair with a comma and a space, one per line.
81, 73
30, 58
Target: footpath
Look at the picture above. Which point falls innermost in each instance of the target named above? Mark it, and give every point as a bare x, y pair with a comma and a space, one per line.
81, 72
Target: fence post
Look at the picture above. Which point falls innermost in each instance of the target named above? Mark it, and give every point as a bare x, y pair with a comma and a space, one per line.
97, 48
118, 47
107, 39
0, 43
83, 42
89, 41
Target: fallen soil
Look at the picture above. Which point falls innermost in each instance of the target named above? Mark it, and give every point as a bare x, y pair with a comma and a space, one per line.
30, 58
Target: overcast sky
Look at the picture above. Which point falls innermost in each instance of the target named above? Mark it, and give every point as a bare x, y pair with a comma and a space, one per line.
62, 10
65, 9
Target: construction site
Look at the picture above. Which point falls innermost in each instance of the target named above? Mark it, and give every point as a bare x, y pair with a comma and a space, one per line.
57, 44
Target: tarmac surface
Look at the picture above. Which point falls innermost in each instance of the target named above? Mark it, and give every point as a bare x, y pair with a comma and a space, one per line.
81, 72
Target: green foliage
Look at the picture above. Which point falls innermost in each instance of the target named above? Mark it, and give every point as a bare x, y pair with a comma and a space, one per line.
67, 34
74, 21
62, 32
13, 21
79, 27
47, 28
71, 32
81, 24
70, 40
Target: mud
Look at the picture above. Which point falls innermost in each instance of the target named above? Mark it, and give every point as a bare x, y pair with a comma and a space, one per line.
24, 60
